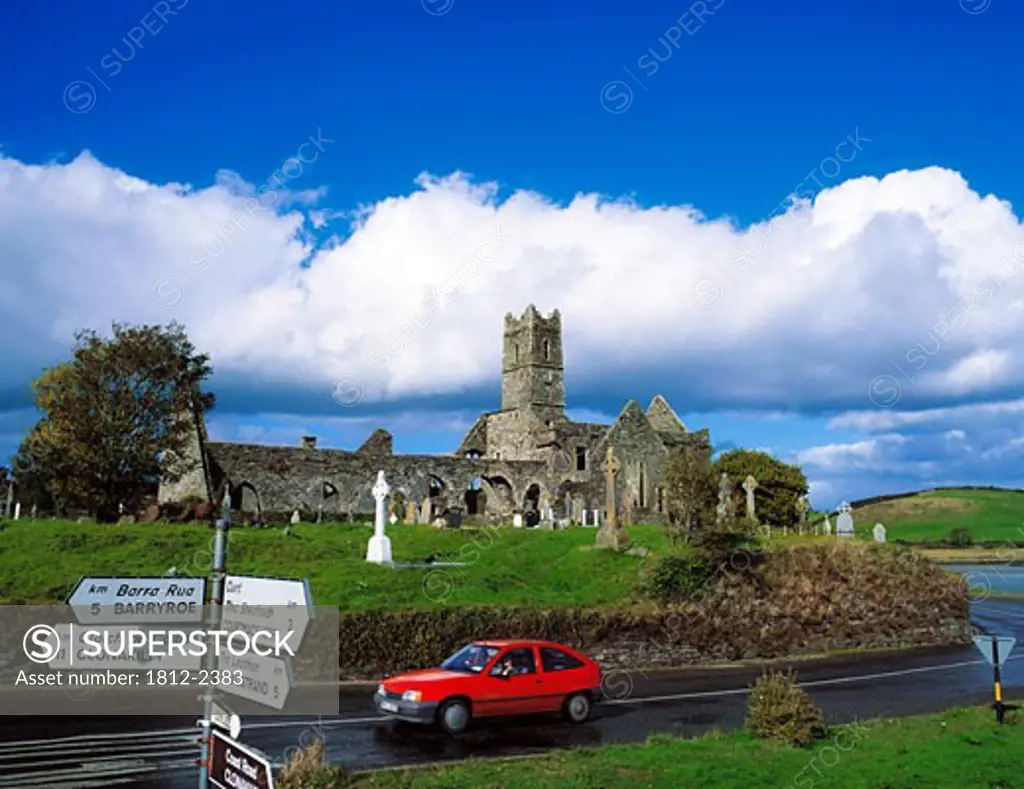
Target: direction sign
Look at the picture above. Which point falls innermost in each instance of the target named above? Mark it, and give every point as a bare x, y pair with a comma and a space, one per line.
265, 680
234, 766
1003, 645
267, 603
111, 600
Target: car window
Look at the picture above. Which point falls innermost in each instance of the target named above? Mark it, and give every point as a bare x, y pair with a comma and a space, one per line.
514, 663
557, 660
471, 658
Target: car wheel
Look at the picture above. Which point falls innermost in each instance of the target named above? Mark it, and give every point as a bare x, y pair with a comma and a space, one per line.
577, 708
453, 717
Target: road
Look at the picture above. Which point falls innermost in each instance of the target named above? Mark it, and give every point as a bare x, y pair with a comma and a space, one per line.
83, 752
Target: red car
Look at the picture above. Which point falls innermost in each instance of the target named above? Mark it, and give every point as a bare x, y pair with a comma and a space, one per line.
491, 678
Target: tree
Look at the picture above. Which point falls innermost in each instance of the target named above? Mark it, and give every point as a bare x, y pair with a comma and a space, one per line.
779, 485
113, 421
690, 489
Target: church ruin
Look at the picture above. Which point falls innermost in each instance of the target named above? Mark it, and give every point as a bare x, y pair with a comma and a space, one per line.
526, 458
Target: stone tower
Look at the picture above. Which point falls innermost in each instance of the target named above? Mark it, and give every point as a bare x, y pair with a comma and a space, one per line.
532, 369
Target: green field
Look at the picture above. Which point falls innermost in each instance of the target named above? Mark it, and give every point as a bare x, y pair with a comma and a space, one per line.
995, 516
960, 749
41, 561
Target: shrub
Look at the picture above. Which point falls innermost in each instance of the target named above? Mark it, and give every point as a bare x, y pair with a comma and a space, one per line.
780, 710
672, 578
308, 769
960, 537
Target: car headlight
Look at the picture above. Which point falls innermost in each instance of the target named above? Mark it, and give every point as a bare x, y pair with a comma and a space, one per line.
412, 695
380, 689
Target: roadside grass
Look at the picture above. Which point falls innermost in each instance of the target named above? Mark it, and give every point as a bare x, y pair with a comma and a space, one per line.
994, 516
959, 749
41, 561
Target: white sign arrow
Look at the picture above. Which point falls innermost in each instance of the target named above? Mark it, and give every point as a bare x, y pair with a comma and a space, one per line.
265, 680
991, 646
279, 604
115, 600
226, 720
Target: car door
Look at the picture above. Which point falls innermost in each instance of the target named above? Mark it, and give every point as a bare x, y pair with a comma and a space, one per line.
562, 675
518, 692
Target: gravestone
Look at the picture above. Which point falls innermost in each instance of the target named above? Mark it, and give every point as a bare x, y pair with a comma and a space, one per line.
879, 532
379, 549
296, 518
801, 513
844, 523
610, 535
17, 511
826, 526
545, 512
722, 511
749, 486
152, 514
410, 513
35, 512
393, 519
426, 511
517, 520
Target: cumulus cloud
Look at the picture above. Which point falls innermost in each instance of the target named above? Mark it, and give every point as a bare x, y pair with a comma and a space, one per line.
878, 298
914, 269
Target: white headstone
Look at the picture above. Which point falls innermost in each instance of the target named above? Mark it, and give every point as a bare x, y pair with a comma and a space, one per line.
879, 532
17, 510
517, 520
379, 549
827, 525
296, 517
844, 523
393, 519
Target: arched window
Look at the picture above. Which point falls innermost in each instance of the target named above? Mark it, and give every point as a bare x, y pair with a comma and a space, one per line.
547, 350
517, 353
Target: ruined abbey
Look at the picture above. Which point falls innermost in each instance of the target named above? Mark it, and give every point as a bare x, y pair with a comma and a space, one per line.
527, 458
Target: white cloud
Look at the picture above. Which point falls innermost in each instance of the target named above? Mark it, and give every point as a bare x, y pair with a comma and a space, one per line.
837, 290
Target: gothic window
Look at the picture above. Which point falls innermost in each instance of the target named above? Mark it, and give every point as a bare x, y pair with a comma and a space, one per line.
643, 484
581, 458
547, 350
517, 353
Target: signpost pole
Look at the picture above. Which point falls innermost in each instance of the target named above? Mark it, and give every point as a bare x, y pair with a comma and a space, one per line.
209, 659
998, 683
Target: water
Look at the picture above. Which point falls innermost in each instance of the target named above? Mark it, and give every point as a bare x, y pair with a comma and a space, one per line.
992, 578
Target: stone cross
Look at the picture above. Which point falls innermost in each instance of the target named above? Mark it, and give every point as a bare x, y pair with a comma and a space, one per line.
610, 535
844, 523
879, 532
750, 485
379, 549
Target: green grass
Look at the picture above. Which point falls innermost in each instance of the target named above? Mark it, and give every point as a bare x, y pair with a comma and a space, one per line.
991, 515
960, 749
41, 561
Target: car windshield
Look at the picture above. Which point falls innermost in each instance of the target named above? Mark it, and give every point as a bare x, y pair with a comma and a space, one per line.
471, 658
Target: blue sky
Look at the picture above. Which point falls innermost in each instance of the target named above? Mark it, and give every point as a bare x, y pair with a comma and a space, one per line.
631, 155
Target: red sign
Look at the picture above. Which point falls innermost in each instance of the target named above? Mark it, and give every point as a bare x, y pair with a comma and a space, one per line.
233, 766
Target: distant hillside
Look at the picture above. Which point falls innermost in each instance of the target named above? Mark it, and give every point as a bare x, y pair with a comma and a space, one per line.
993, 515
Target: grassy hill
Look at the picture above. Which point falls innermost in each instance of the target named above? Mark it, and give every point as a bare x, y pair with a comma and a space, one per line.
42, 561
995, 516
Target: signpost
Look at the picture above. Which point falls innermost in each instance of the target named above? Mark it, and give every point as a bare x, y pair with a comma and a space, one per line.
233, 766
996, 649
114, 600
277, 604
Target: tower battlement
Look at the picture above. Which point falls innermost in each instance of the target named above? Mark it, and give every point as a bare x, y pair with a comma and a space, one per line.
532, 365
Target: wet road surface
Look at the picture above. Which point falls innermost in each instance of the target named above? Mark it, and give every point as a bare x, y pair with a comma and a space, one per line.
136, 752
